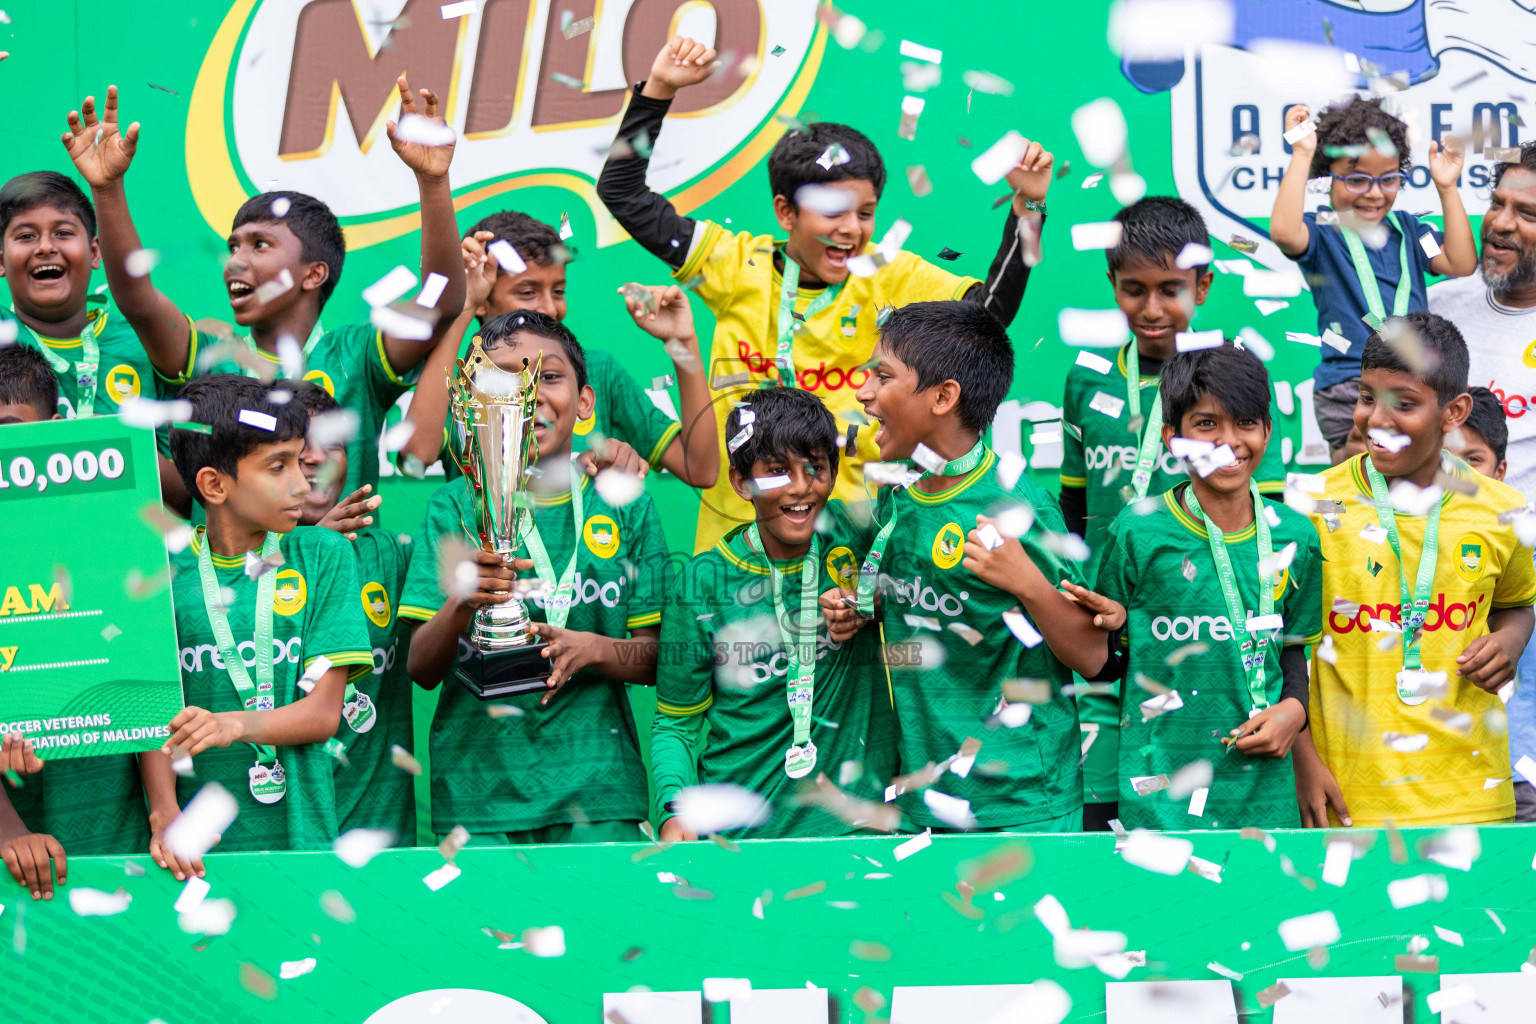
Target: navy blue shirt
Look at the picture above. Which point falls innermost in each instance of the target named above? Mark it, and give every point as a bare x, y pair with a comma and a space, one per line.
1336, 287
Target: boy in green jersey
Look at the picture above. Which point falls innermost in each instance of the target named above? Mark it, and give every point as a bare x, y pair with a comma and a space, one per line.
376, 708
1113, 453
285, 257
89, 804
270, 627
977, 598
531, 275
48, 249
563, 766
783, 697
1216, 593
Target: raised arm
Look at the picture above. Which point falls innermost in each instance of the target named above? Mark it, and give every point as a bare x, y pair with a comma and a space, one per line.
440, 252
648, 216
102, 154
1459, 256
1019, 250
1287, 228
664, 313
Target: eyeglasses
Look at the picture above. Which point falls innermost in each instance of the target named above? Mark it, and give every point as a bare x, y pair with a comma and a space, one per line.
1360, 184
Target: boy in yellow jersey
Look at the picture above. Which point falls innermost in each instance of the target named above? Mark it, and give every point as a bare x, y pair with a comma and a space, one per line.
1427, 596
802, 311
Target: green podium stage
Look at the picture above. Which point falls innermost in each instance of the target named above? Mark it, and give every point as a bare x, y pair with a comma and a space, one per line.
842, 916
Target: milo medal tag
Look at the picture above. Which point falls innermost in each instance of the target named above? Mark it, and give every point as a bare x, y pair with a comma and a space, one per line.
360, 713
798, 761
1415, 686
268, 784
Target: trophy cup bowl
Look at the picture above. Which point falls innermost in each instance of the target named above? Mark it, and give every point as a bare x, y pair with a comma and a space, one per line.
492, 443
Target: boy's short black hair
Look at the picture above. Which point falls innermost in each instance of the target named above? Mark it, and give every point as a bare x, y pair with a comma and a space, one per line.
311, 397
1157, 228
1487, 421
954, 340
311, 221
534, 240
1346, 123
45, 188
793, 160
531, 321
1234, 377
787, 422
218, 400
27, 379
1437, 341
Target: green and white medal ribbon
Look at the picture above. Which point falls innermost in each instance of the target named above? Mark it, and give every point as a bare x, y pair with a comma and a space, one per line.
268, 782
557, 607
1256, 629
800, 677
315, 334
869, 572
788, 289
1367, 276
1152, 434
1414, 608
85, 369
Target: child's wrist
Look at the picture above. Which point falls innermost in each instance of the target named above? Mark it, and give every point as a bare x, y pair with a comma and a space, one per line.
655, 89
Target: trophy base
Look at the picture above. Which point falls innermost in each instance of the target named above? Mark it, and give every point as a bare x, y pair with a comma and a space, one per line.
491, 675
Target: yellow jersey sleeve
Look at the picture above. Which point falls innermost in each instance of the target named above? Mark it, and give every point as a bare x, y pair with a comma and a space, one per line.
910, 278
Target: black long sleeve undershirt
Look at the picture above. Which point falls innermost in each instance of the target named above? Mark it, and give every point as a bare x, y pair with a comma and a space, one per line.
652, 221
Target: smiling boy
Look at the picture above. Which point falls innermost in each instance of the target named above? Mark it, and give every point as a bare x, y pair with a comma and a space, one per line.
801, 310
285, 257
793, 698
1364, 262
269, 625
1426, 598
562, 766
966, 565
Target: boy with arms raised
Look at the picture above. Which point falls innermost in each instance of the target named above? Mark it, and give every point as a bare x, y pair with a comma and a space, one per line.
1415, 552
1213, 543
563, 766
1113, 451
285, 257
376, 707
838, 711
1364, 261
89, 804
947, 575
802, 311
270, 627
620, 407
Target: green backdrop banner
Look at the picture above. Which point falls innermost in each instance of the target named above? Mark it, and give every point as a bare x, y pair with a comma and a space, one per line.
87, 640
845, 916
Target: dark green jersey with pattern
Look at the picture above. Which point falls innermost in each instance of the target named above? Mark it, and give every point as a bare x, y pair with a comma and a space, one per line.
579, 756
123, 370
723, 662
370, 791
89, 804
1171, 616
352, 366
316, 612
1021, 774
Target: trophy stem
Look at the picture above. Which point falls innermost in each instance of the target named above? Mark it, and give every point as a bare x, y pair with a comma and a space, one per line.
501, 627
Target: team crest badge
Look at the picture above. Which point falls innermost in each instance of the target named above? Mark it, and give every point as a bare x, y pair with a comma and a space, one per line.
1469, 559
948, 546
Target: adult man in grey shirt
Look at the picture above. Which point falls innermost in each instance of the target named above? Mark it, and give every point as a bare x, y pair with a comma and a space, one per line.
1496, 312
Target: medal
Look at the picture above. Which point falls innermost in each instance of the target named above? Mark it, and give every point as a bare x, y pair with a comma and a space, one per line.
359, 713
1255, 629
789, 287
269, 783
1414, 607
557, 606
798, 760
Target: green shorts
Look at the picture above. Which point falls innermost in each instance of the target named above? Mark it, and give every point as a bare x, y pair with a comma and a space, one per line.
564, 832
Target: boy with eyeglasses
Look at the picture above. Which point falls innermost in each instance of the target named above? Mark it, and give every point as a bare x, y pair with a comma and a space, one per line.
1363, 260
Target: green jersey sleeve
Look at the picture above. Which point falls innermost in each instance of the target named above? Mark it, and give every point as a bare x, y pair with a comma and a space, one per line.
651, 559
423, 594
1303, 604
685, 675
334, 623
385, 385
1116, 581
630, 413
1048, 519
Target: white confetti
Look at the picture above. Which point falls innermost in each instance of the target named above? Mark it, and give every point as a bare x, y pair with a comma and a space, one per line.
1022, 629
1163, 855
1411, 892
1092, 328
1193, 341
357, 846
208, 917
89, 902
619, 488
390, 287
1193, 255
1097, 235
1106, 403
506, 256
1336, 862
917, 843
201, 822
425, 131
1100, 130
282, 285
1333, 340
140, 262
435, 880
720, 807
925, 53
290, 969
192, 893
951, 810
259, 420
1000, 158
1301, 131
1309, 931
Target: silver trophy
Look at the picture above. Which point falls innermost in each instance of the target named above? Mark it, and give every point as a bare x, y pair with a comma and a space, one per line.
492, 442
